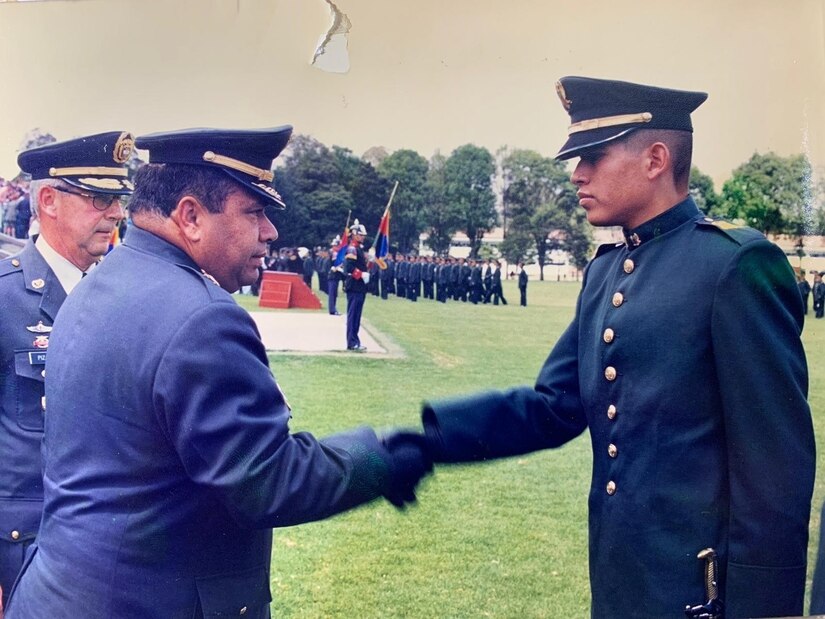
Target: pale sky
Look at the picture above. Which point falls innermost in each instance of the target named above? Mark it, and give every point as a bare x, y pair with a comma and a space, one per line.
424, 74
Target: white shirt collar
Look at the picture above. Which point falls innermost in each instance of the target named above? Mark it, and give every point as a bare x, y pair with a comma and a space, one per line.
67, 274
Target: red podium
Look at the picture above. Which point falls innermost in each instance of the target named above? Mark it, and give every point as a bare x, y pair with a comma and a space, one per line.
284, 290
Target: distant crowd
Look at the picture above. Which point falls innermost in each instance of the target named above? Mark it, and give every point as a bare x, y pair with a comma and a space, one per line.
14, 208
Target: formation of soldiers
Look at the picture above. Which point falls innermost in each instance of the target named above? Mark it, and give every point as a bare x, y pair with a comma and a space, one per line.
429, 277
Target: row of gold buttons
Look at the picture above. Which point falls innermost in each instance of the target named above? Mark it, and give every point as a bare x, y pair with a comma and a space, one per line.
610, 372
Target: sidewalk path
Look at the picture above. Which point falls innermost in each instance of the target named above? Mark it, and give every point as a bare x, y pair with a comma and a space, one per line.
307, 332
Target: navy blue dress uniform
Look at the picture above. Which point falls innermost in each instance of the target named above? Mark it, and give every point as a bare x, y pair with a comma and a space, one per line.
685, 363
168, 456
30, 297
413, 279
355, 270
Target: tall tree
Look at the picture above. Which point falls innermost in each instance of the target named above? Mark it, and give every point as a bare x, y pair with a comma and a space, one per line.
311, 183
368, 190
543, 205
771, 193
468, 174
442, 218
408, 219
703, 193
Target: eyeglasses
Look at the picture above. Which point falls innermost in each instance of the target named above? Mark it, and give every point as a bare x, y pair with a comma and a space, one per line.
101, 202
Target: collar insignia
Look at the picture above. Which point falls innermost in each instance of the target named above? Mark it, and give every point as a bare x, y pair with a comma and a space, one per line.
209, 277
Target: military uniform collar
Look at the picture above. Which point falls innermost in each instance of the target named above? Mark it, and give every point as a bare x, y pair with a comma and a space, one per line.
39, 278
150, 243
661, 224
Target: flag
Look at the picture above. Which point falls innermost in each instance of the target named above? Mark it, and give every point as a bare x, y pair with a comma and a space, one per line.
114, 239
382, 239
339, 249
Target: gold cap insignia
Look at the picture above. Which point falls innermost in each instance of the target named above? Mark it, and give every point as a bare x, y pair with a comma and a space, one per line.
271, 191
39, 327
38, 283
123, 147
566, 103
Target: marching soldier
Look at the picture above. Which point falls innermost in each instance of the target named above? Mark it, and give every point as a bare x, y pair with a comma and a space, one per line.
76, 193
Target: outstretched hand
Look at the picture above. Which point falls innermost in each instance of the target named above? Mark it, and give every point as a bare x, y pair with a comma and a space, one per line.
411, 461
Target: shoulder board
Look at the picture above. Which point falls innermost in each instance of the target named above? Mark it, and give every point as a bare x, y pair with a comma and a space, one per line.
736, 232
10, 265
607, 247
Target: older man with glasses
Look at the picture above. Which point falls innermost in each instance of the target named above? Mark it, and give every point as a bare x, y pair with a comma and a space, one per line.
76, 193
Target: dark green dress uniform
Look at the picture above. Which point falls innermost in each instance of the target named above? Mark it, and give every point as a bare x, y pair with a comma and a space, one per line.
684, 360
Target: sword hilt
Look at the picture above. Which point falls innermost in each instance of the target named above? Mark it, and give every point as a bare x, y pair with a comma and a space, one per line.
713, 608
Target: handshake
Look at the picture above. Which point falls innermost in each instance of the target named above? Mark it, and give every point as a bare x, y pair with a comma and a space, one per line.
412, 456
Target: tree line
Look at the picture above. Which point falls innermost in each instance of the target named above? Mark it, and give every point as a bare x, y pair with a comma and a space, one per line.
472, 191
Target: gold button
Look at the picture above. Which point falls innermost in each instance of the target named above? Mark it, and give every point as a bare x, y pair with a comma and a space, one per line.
38, 283
15, 535
611, 412
628, 266
15, 263
608, 335
611, 488
243, 610
612, 450
618, 299
610, 373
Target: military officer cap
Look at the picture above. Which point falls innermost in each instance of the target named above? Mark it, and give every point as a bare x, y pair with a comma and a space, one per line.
357, 228
246, 155
605, 110
96, 162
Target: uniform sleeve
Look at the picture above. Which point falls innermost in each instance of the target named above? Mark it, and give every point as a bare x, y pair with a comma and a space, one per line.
757, 321
497, 424
229, 422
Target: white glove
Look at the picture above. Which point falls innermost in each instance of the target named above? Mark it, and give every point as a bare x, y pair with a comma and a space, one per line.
365, 277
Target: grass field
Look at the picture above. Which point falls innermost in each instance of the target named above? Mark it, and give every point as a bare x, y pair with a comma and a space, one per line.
502, 539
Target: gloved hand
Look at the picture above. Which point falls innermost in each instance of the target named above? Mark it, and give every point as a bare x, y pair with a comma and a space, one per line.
410, 462
366, 277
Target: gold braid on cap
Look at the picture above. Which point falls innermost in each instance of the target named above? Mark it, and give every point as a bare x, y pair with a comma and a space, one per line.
97, 170
240, 166
609, 121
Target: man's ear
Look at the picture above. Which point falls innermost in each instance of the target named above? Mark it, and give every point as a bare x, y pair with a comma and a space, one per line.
189, 215
46, 202
658, 160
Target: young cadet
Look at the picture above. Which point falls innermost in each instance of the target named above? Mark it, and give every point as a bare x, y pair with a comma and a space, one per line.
168, 456
75, 191
693, 387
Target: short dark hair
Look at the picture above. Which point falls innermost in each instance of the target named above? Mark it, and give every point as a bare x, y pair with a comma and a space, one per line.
160, 186
679, 143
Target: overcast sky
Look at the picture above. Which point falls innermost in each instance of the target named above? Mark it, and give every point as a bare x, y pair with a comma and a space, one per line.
424, 74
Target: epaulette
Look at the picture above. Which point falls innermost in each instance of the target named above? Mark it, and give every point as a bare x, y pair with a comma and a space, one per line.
607, 247
9, 265
738, 233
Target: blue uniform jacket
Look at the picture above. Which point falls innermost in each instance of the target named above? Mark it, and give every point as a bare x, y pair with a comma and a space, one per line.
167, 451
30, 296
684, 361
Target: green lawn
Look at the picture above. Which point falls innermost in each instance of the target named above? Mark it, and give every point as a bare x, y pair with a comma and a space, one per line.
504, 539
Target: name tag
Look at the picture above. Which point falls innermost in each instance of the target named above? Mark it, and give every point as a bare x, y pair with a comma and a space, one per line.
37, 358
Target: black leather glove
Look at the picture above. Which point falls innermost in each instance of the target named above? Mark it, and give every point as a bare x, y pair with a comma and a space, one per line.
410, 462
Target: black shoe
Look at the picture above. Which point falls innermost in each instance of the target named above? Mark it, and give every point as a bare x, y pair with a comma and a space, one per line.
335, 313
358, 348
